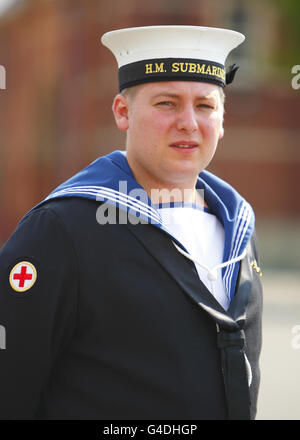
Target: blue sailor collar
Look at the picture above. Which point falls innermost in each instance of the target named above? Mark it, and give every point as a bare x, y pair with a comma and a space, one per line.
109, 179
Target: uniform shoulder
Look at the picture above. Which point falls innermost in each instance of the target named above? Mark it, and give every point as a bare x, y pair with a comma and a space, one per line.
65, 210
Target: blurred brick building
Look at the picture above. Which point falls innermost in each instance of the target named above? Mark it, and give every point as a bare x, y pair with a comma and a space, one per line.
55, 113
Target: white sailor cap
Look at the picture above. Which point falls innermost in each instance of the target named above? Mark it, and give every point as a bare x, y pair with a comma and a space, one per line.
172, 53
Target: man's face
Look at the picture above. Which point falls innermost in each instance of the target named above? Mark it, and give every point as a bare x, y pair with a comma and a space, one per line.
172, 131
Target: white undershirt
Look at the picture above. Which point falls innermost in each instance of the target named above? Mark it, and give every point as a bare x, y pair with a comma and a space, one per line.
202, 234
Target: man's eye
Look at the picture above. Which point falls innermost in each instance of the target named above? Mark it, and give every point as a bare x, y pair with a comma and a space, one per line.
208, 106
166, 103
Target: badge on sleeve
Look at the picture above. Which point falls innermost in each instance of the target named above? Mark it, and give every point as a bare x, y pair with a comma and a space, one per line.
256, 268
22, 276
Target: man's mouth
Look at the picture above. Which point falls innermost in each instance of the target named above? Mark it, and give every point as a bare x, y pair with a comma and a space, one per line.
186, 146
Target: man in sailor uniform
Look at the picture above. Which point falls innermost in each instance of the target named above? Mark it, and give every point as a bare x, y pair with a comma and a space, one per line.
133, 290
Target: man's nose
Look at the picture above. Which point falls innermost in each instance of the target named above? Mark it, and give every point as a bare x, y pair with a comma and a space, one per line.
187, 120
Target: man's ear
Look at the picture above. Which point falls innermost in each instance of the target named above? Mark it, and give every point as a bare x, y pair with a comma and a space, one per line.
221, 133
120, 110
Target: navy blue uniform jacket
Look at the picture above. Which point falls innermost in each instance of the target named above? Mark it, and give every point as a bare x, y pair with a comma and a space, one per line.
117, 324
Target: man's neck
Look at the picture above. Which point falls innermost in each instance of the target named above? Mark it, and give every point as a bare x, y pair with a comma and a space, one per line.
168, 192
175, 194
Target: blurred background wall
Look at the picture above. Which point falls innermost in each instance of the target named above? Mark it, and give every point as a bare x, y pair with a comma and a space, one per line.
55, 118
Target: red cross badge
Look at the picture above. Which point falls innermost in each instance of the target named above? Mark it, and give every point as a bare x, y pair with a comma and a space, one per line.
22, 276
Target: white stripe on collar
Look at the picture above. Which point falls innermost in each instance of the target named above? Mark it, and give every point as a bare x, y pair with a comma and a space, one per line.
101, 193
239, 233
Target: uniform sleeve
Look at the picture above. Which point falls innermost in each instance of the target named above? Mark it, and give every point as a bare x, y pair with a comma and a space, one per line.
38, 289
